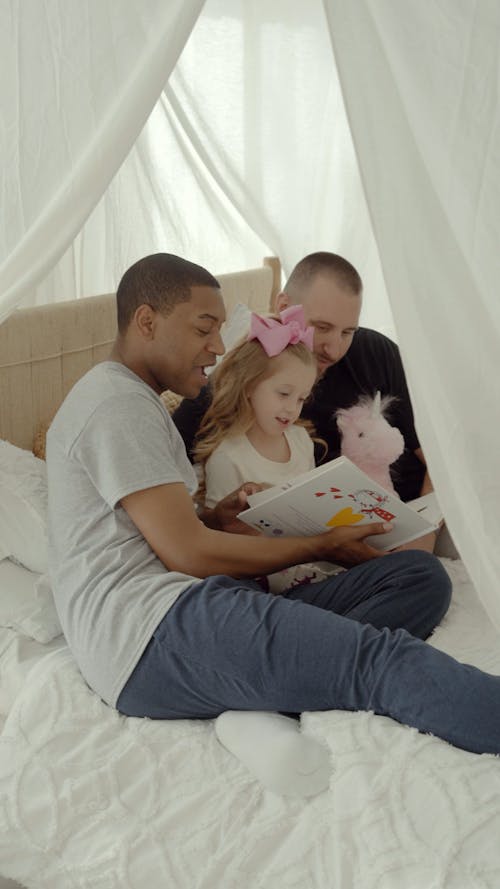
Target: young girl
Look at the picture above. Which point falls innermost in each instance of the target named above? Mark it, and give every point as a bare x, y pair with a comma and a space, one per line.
259, 388
250, 433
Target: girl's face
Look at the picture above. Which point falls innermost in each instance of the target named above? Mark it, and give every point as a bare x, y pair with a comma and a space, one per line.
277, 401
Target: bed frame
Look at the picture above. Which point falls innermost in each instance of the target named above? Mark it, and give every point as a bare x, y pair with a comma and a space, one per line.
44, 350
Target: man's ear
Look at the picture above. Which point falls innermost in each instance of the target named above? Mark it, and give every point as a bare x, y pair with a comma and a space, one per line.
280, 302
144, 318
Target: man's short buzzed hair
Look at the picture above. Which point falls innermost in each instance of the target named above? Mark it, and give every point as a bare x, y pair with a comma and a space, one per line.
323, 263
161, 281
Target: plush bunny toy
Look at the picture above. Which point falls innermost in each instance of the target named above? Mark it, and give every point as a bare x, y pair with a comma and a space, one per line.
369, 440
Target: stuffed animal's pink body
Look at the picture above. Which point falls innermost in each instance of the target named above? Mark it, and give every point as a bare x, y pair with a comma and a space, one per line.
369, 440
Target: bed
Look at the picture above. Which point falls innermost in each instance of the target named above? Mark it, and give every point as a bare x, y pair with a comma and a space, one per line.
89, 798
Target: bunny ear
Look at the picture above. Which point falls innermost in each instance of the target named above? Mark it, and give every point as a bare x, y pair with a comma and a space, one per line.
376, 404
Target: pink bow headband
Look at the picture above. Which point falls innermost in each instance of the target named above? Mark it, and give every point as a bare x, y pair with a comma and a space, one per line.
274, 336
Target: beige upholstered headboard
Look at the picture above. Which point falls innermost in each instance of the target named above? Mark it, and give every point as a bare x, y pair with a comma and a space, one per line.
46, 349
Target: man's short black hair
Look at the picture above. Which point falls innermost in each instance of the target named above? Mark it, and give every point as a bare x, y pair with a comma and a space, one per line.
161, 281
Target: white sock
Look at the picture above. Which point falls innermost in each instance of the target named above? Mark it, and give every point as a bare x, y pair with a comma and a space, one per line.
274, 750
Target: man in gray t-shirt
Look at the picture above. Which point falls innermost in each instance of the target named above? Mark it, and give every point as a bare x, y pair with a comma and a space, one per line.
112, 436
147, 589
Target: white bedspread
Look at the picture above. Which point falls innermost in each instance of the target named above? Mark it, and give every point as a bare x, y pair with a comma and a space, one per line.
93, 800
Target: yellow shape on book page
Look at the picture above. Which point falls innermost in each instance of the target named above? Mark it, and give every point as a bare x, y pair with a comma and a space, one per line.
345, 517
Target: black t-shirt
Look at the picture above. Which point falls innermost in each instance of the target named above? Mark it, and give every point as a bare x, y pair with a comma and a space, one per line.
372, 363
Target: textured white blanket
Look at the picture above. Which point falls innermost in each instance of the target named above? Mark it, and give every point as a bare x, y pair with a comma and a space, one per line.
93, 800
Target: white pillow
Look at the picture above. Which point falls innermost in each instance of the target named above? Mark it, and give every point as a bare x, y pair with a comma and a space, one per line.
26, 603
18, 655
23, 507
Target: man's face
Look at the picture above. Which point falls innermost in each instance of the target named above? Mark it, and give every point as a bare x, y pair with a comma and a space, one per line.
334, 314
185, 342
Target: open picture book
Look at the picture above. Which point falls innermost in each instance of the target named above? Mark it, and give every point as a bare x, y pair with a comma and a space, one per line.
338, 493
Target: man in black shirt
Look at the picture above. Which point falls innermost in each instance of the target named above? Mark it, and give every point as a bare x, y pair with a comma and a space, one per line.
352, 361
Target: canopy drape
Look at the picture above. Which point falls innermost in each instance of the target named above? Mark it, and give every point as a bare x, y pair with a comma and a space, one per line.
213, 175
421, 88
248, 150
79, 80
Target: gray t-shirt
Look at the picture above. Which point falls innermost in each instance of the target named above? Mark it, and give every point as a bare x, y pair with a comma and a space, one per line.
112, 436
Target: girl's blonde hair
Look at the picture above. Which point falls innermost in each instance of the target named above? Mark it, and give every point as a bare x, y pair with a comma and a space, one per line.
232, 383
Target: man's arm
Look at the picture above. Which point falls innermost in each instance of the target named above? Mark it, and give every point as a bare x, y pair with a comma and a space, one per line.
411, 478
166, 517
428, 541
427, 485
411, 467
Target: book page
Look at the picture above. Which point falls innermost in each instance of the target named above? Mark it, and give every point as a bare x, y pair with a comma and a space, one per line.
275, 490
428, 506
335, 494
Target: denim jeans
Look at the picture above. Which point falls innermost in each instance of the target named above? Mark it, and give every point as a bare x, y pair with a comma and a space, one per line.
352, 642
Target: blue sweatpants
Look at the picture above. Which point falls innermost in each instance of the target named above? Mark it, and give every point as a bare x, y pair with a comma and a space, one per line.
351, 642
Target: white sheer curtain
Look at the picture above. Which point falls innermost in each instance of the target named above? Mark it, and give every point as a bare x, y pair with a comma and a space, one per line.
268, 124
247, 152
421, 87
79, 80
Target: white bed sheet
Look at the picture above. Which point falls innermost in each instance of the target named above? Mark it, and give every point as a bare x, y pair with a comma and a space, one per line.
18, 655
95, 800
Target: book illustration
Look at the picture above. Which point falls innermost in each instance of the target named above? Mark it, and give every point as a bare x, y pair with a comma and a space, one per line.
267, 528
368, 503
333, 495
371, 503
345, 516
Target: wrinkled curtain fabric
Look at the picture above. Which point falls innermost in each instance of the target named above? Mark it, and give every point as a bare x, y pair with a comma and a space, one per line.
79, 80
248, 151
420, 83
